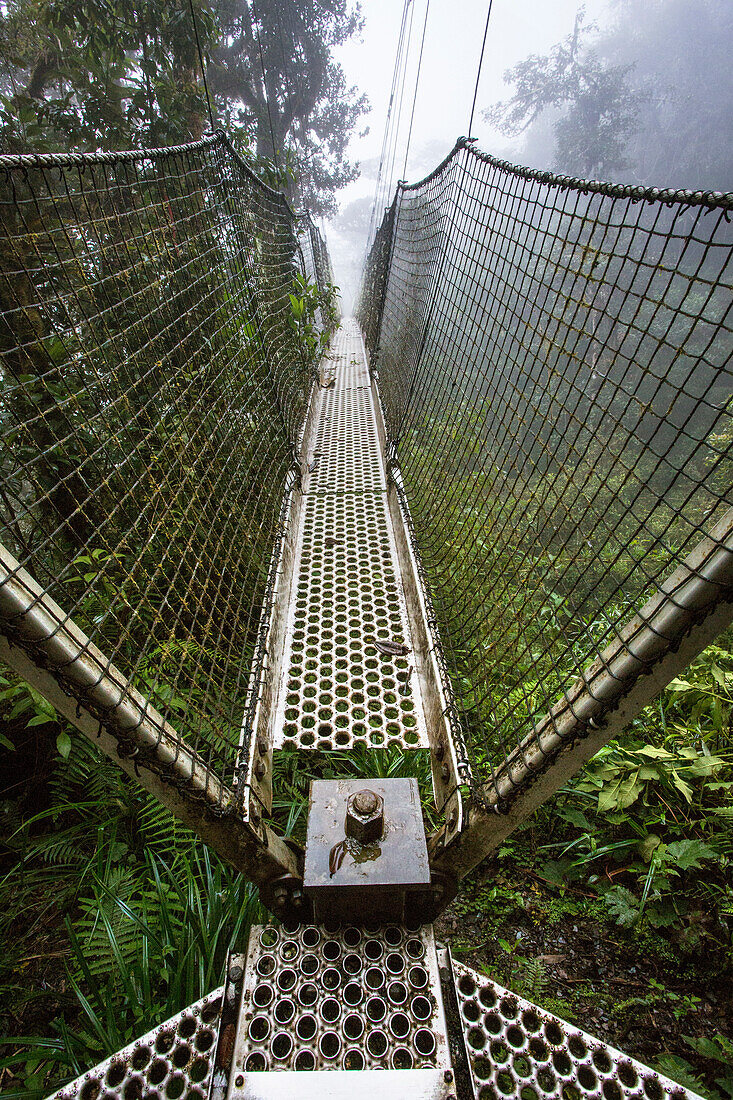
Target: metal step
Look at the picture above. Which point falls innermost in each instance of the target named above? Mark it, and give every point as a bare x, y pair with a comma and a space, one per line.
347, 999
175, 1059
349, 1013
519, 1051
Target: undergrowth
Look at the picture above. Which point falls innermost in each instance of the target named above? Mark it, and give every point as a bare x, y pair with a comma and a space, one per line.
113, 916
613, 905
139, 911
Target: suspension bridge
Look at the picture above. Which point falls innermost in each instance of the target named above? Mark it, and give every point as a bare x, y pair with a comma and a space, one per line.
488, 520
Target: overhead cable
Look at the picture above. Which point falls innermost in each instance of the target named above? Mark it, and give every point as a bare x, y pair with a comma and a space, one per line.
201, 64
417, 85
478, 73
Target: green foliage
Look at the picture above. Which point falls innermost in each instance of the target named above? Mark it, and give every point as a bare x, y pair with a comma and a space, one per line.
86, 75
719, 1048
678, 1069
619, 775
149, 915
312, 317
646, 824
526, 976
598, 107
19, 700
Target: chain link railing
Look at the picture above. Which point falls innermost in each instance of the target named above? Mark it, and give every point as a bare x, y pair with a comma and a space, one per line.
554, 358
155, 380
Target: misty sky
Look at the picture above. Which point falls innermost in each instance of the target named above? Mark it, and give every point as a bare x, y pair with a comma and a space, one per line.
452, 47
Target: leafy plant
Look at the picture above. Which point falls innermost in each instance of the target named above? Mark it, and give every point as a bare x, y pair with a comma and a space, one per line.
149, 915
312, 317
720, 1049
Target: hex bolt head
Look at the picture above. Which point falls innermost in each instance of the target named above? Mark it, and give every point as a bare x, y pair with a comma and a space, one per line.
235, 973
365, 816
260, 769
365, 802
262, 746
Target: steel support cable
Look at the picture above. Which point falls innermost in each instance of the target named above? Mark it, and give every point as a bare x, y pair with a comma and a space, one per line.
202, 66
417, 86
375, 205
395, 91
254, 23
478, 70
389, 176
712, 200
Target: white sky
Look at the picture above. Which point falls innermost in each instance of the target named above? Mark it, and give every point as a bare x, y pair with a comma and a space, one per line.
452, 47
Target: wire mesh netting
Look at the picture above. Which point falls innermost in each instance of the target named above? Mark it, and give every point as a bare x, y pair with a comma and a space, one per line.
318, 273
155, 378
554, 358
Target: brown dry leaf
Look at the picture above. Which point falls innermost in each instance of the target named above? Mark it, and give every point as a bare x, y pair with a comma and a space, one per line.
392, 649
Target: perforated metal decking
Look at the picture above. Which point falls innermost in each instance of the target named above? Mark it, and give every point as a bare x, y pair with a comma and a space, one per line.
336, 689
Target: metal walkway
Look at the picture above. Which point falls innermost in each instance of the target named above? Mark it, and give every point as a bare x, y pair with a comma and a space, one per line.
349, 664
348, 673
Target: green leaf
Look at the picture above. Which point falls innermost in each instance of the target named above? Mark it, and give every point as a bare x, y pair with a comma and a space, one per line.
63, 744
689, 853
680, 685
575, 817
719, 1047
39, 720
720, 677
684, 788
681, 1072
646, 847
622, 905
624, 792
705, 765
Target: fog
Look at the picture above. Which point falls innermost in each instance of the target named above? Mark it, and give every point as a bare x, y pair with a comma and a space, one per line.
634, 90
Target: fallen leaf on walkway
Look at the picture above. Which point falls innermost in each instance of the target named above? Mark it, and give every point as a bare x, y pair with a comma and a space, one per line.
392, 649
